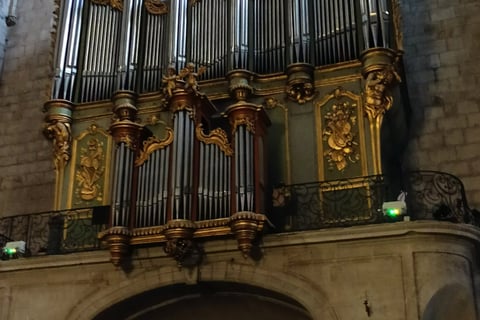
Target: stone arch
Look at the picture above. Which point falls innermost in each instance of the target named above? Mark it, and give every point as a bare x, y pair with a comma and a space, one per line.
452, 301
300, 290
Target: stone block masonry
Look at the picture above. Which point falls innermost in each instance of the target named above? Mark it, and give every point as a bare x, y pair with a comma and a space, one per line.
442, 68
27, 173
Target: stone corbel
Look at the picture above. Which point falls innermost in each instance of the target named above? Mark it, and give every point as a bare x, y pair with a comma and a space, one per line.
300, 83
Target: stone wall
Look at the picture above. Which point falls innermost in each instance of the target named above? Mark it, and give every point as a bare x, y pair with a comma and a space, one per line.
26, 166
402, 271
442, 41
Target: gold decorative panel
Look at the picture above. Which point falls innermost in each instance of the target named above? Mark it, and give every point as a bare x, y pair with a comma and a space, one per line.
340, 136
90, 168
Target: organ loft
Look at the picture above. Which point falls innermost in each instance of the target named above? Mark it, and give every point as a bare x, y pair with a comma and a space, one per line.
190, 120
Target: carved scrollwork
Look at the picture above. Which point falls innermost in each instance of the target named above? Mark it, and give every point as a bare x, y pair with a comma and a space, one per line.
60, 133
115, 4
339, 136
152, 144
217, 136
156, 7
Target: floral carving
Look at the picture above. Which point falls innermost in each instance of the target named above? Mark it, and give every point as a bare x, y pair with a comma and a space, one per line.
339, 136
91, 170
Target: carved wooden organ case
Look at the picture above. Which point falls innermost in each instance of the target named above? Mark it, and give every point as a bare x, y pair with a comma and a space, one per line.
177, 164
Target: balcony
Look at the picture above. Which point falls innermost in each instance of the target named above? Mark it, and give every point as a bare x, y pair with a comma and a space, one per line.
431, 195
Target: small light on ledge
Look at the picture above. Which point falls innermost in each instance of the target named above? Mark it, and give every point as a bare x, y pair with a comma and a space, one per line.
13, 250
394, 210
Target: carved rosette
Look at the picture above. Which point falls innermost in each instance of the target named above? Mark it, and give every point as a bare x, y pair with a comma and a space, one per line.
118, 241
58, 129
300, 83
124, 128
246, 226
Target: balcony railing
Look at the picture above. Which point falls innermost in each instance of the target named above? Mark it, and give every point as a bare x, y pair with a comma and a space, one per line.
57, 232
431, 195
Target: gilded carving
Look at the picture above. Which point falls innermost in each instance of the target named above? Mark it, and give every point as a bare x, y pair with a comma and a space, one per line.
115, 4
217, 136
339, 136
152, 144
246, 121
168, 81
300, 92
190, 76
377, 102
157, 7
60, 133
90, 170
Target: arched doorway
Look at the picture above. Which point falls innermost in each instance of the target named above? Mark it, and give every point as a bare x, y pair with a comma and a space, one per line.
210, 301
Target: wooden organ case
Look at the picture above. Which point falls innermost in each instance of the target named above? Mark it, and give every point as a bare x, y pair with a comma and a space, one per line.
205, 177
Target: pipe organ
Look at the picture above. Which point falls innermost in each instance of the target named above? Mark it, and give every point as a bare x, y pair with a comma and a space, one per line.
204, 177
109, 45
175, 164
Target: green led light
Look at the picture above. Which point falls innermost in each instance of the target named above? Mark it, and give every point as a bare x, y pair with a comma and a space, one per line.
10, 251
392, 212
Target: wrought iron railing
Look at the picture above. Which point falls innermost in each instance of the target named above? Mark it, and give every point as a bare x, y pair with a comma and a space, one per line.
56, 232
431, 195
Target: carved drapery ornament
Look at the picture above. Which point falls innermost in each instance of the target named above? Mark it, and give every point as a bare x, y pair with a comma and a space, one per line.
156, 7
60, 133
115, 4
339, 136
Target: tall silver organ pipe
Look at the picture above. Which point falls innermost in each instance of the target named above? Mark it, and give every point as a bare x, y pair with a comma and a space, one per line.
100, 52
178, 31
66, 54
152, 189
122, 185
244, 169
375, 23
182, 165
239, 37
103, 47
